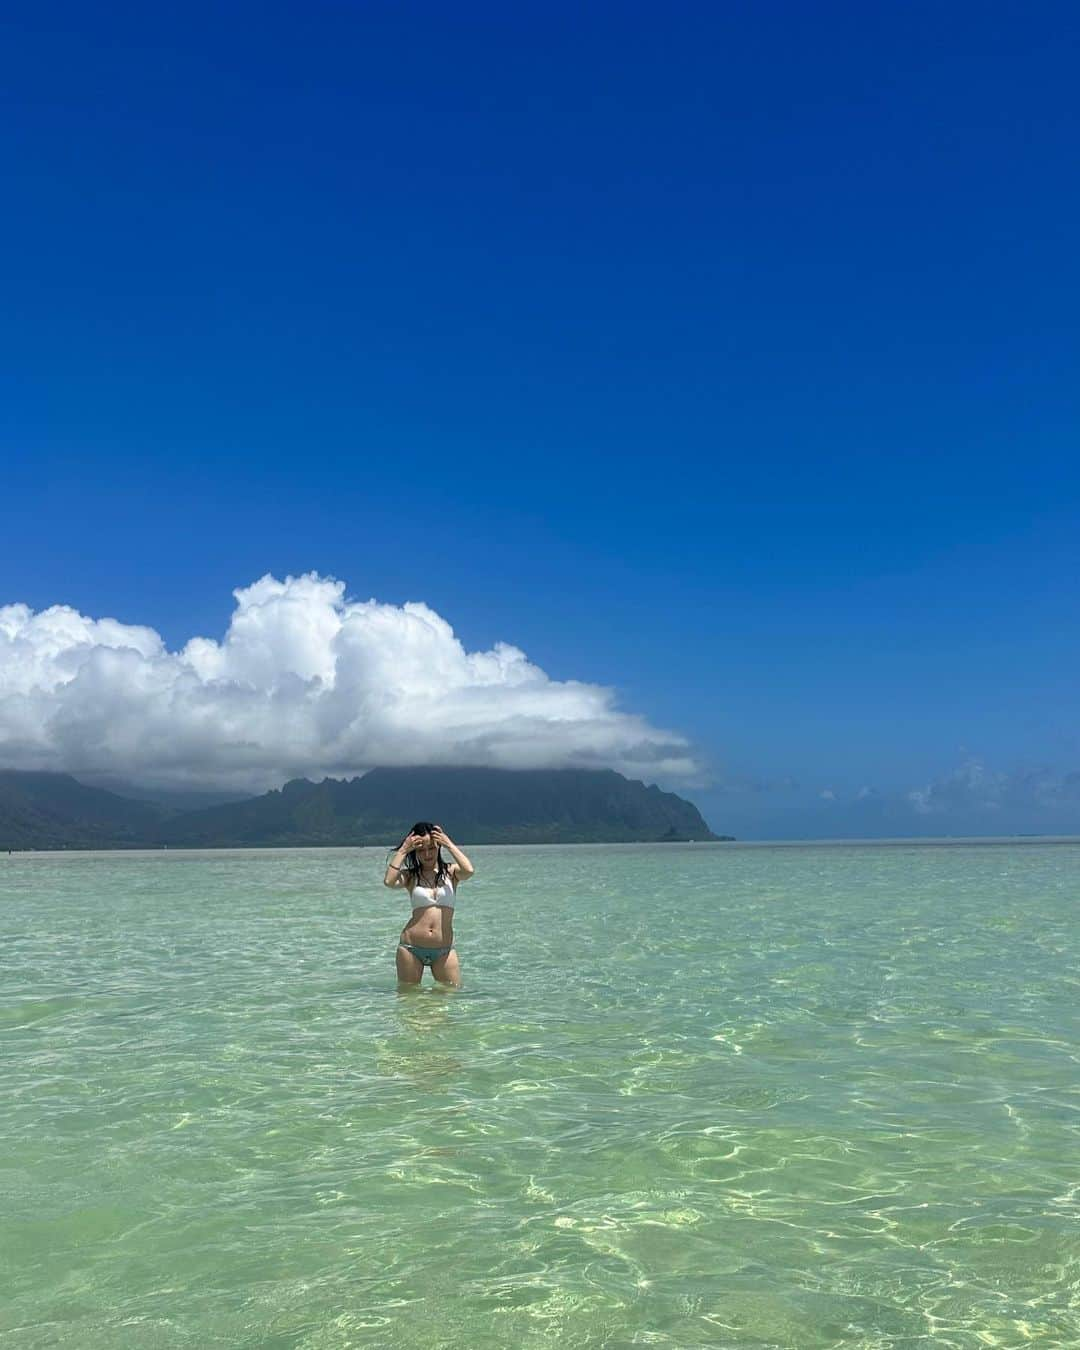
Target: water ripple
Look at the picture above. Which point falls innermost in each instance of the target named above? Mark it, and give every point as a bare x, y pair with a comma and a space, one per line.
855, 1124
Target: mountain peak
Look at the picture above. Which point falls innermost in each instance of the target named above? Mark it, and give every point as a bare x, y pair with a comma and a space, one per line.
476, 805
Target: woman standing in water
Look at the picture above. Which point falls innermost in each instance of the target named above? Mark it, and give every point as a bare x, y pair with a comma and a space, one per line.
428, 938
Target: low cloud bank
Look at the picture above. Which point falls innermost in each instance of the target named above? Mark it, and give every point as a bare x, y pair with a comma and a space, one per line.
974, 787
305, 682
972, 798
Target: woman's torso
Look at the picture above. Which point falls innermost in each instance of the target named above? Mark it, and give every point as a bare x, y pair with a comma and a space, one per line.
432, 921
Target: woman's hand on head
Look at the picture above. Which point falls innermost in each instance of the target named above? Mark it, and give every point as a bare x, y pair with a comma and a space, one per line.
412, 840
439, 835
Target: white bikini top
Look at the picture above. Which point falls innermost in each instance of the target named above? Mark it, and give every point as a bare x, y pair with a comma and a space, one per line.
425, 895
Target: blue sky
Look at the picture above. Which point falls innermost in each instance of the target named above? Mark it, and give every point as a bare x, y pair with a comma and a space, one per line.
724, 356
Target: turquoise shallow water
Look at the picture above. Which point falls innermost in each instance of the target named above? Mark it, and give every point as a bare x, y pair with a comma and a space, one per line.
851, 1119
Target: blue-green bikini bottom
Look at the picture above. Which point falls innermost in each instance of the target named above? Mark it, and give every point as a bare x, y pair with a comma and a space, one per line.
426, 954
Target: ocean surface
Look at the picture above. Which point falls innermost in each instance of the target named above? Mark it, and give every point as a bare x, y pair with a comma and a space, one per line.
848, 1114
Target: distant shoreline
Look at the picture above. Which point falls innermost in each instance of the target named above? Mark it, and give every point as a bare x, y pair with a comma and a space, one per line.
899, 841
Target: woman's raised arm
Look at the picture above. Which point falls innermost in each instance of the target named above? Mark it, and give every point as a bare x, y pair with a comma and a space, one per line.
393, 867
465, 867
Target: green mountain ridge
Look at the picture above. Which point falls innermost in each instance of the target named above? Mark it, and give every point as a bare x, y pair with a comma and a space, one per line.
54, 810
476, 805
486, 806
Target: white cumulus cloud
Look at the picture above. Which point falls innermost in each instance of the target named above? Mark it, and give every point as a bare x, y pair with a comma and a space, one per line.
975, 787
305, 681
971, 786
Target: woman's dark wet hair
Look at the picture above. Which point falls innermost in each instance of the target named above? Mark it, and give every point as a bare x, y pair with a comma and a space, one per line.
411, 865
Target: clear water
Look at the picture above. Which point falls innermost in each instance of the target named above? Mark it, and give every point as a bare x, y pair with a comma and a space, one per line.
851, 1117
